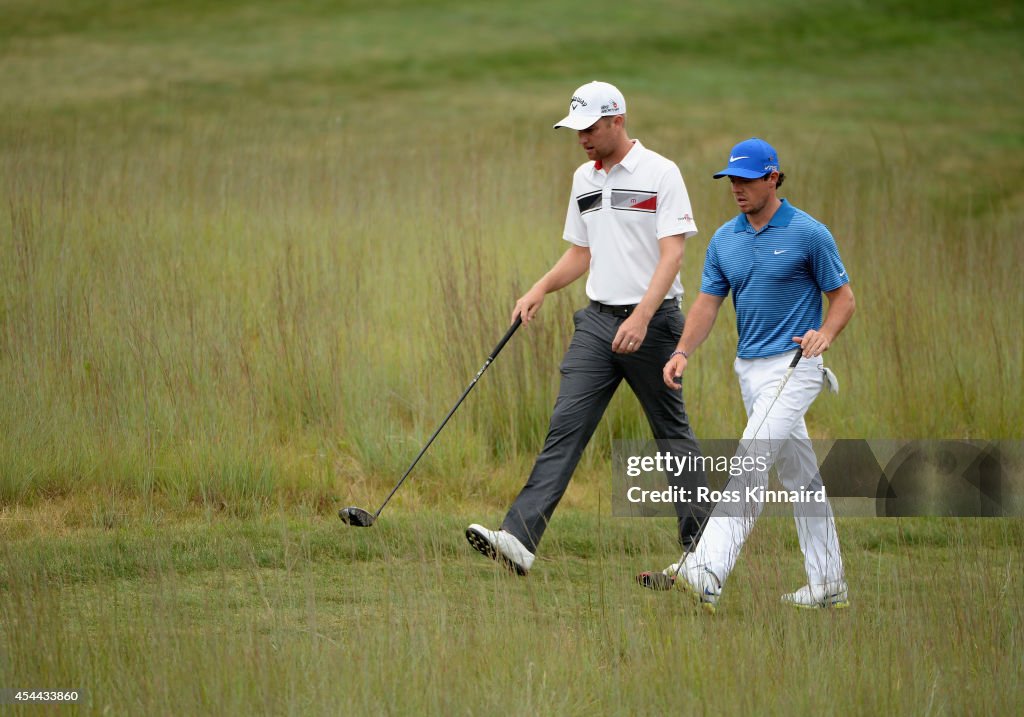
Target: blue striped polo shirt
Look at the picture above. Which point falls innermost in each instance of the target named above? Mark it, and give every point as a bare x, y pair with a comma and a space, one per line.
776, 276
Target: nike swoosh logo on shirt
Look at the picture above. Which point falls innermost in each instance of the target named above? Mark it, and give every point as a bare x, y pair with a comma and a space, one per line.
780, 251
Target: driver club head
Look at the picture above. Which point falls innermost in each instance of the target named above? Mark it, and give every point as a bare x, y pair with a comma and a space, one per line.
357, 517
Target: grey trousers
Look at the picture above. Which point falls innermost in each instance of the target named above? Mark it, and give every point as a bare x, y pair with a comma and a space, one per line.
590, 374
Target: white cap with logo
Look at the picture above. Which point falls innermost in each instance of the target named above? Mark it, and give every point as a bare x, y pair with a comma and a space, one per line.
590, 103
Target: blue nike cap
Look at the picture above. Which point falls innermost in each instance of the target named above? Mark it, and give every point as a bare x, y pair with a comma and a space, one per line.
750, 159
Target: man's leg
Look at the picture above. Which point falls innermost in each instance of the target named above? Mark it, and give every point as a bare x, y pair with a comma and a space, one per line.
770, 423
589, 379
666, 414
815, 523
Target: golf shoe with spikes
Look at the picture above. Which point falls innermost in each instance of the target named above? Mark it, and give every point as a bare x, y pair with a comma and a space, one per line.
654, 580
501, 545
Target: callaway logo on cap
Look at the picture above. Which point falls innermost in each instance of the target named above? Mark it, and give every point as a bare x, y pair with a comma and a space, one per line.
751, 159
590, 103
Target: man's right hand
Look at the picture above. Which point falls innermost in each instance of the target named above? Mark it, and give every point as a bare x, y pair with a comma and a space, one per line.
529, 304
674, 370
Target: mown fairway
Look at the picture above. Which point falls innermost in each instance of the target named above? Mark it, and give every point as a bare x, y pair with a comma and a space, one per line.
250, 253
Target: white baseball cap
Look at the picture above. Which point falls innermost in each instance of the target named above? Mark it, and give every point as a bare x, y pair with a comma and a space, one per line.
590, 103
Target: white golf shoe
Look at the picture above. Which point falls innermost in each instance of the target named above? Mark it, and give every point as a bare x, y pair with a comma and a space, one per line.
833, 595
499, 544
697, 581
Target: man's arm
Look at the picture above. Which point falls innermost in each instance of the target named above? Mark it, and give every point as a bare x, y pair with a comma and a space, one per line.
699, 320
574, 263
634, 329
841, 306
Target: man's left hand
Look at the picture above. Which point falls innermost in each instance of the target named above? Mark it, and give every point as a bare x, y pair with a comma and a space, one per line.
814, 343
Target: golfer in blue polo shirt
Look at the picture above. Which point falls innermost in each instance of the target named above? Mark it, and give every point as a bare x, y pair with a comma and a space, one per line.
776, 260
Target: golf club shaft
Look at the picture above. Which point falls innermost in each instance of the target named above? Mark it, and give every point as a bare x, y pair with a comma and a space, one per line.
490, 358
797, 355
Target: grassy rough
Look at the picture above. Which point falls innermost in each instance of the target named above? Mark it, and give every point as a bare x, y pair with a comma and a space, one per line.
287, 615
250, 252
254, 251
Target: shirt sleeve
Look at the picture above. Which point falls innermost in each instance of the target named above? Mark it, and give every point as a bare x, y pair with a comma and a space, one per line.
712, 279
575, 229
674, 214
826, 265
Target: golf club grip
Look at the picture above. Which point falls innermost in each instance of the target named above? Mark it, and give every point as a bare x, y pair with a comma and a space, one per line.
504, 339
796, 357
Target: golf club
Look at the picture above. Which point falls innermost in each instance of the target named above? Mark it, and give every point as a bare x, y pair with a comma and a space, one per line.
364, 518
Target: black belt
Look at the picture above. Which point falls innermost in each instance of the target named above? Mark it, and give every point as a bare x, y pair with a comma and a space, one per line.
627, 309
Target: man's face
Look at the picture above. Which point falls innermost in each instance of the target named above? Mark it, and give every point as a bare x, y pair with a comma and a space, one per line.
752, 195
600, 139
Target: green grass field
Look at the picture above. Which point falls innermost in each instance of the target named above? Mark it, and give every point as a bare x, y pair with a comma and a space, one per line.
279, 615
251, 252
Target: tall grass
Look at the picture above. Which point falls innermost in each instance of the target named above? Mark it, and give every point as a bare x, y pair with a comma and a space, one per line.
224, 314
235, 269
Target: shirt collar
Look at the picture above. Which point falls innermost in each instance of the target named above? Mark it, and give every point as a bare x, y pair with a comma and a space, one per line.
782, 217
630, 161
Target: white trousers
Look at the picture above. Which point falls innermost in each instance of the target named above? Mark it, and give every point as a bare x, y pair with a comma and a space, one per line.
775, 435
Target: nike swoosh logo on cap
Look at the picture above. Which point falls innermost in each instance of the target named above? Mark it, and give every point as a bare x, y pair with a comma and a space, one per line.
736, 159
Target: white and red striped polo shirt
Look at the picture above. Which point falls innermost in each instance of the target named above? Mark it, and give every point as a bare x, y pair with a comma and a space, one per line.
621, 215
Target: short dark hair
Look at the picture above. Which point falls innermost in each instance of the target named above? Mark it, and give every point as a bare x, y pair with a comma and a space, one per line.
782, 178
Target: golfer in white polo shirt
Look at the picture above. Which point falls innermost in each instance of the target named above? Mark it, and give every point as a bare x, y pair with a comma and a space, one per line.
776, 261
628, 219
